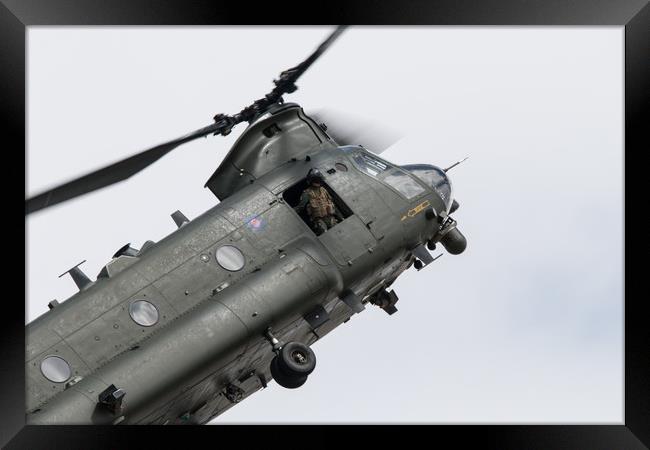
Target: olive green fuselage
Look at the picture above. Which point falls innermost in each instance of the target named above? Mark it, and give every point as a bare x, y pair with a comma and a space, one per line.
211, 322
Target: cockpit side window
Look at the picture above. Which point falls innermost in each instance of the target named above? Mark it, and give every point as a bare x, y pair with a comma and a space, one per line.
369, 164
387, 173
403, 183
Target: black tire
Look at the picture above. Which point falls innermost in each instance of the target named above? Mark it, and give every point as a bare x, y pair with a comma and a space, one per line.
296, 359
284, 380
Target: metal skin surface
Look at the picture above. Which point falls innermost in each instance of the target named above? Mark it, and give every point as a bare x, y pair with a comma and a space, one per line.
255, 153
208, 349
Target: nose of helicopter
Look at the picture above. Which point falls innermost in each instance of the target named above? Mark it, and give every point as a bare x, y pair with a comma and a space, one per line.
436, 178
453, 240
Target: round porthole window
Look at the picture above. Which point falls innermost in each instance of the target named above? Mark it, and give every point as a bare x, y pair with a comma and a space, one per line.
230, 258
55, 369
143, 313
341, 167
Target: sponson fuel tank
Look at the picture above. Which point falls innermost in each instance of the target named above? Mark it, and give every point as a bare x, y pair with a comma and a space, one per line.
283, 133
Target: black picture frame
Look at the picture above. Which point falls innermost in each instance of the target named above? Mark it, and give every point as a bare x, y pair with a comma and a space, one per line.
634, 15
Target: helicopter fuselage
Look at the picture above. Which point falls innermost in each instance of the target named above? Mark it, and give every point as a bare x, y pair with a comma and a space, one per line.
181, 327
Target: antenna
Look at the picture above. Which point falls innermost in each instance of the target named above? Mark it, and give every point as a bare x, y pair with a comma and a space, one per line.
79, 278
455, 164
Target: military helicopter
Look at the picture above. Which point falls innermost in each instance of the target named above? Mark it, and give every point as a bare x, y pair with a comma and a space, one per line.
236, 296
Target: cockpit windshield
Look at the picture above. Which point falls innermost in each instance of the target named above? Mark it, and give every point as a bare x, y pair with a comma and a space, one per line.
385, 172
403, 183
434, 177
369, 164
397, 177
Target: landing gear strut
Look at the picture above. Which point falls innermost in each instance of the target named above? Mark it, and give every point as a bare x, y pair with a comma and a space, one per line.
386, 300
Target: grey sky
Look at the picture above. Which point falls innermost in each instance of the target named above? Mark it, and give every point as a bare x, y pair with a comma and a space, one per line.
525, 326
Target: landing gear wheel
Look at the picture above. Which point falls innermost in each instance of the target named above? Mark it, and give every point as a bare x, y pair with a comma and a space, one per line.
296, 359
293, 364
284, 380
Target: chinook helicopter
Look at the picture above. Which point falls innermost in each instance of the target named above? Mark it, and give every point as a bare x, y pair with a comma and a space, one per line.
236, 296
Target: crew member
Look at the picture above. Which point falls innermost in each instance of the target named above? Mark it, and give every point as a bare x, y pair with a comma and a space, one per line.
318, 204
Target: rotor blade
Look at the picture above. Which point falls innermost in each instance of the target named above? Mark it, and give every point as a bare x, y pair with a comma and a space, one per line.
223, 124
347, 129
113, 173
303, 66
286, 83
